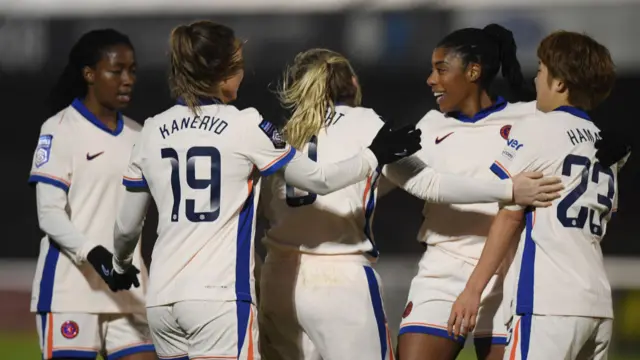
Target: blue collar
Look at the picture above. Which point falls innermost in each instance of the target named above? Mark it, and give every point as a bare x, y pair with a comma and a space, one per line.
87, 114
201, 101
499, 105
574, 111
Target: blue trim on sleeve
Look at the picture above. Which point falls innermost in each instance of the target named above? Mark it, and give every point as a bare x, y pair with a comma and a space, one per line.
47, 180
280, 163
499, 171
135, 183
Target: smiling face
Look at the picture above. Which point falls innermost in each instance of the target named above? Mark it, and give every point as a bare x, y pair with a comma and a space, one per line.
112, 79
450, 80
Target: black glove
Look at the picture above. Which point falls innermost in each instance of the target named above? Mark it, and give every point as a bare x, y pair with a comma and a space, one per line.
611, 148
125, 280
392, 145
102, 261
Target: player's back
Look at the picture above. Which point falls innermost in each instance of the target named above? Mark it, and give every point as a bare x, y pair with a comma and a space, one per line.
336, 223
559, 255
200, 171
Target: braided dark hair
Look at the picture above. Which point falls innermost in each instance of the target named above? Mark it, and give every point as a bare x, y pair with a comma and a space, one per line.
87, 51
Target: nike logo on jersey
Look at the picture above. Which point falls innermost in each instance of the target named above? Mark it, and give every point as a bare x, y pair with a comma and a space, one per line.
439, 139
91, 157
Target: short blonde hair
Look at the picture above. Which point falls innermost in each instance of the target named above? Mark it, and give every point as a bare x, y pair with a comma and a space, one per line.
317, 81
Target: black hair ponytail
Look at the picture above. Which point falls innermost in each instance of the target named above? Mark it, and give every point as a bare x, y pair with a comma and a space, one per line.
70, 85
510, 66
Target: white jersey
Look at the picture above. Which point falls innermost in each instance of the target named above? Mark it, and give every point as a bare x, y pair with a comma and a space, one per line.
558, 267
203, 173
78, 154
336, 223
465, 147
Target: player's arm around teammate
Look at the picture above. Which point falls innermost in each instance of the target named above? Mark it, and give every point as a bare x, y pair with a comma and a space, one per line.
202, 160
416, 178
469, 128
569, 323
80, 149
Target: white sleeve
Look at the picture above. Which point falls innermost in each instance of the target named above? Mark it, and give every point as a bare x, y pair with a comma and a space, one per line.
52, 160
54, 221
322, 179
133, 176
421, 181
129, 222
518, 155
266, 148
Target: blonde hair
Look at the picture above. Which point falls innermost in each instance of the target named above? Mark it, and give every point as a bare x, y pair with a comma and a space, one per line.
202, 54
311, 88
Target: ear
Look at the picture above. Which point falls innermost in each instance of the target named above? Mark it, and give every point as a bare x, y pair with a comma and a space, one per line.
558, 86
354, 81
473, 72
89, 75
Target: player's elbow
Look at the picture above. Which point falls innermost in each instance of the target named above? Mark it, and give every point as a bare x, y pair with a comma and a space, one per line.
43, 222
47, 219
508, 222
321, 189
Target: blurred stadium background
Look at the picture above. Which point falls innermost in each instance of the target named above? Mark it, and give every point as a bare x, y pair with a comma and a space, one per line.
389, 43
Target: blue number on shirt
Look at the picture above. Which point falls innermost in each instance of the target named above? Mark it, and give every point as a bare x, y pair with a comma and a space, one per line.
584, 165
212, 183
296, 201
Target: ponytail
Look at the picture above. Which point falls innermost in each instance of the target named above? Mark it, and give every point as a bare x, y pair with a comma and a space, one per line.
183, 84
202, 55
69, 86
309, 100
318, 80
511, 69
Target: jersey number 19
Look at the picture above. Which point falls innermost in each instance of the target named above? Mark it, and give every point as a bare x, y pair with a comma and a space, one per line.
212, 183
